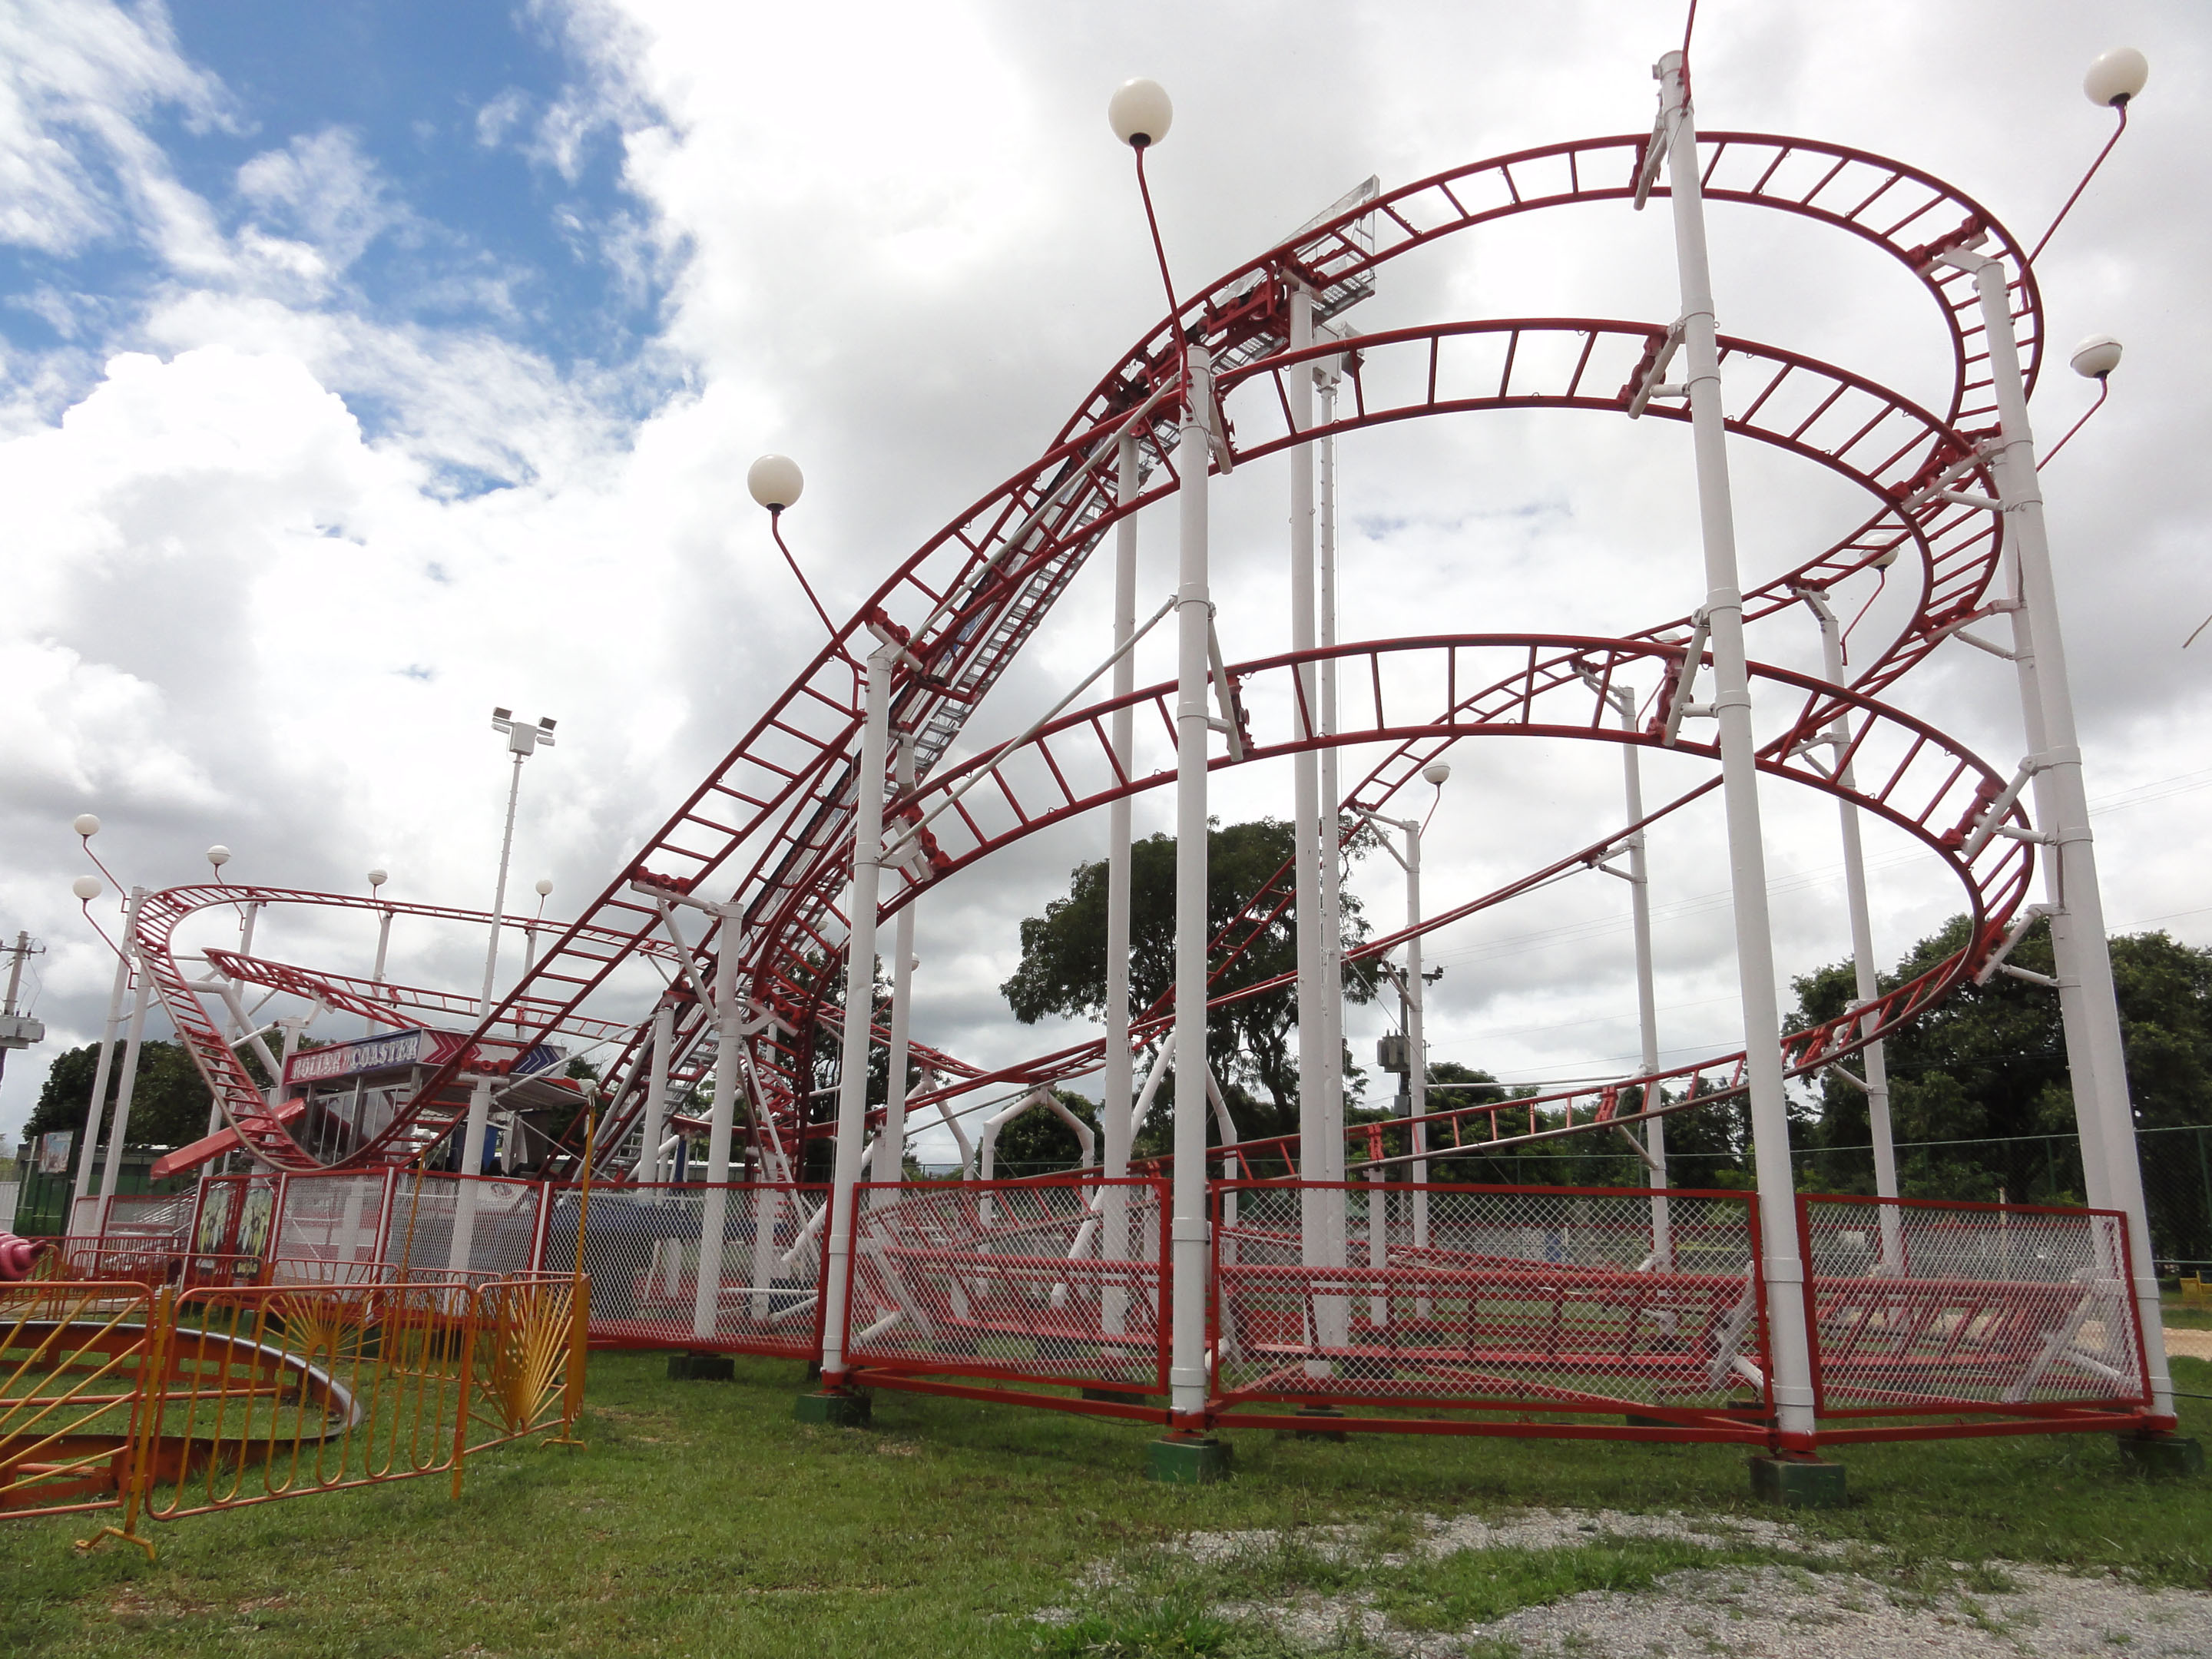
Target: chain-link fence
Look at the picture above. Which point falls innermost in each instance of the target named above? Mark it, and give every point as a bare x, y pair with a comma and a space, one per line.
736, 1268
1056, 1281
1920, 1306
479, 1222
1553, 1300
331, 1217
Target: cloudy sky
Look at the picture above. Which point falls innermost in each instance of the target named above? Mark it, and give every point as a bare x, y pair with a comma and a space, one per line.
367, 362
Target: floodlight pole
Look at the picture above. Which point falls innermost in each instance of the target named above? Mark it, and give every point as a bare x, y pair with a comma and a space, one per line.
1187, 1369
656, 1092
522, 737
891, 1139
1319, 1243
1119, 1082
714, 1207
88, 1151
1867, 980
1647, 1006
1332, 907
1792, 1381
860, 1000
2088, 1009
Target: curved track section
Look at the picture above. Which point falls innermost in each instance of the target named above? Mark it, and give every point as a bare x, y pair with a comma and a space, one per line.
779, 808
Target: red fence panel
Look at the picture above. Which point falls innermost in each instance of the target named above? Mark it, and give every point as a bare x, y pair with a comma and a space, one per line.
1554, 1300
1057, 1282
1929, 1306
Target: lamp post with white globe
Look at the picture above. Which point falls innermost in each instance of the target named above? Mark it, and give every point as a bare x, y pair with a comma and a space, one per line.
2088, 1006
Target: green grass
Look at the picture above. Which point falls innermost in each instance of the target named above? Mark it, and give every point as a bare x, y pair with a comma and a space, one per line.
702, 1521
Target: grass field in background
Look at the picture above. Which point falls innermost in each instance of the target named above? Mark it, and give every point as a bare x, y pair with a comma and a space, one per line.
701, 1520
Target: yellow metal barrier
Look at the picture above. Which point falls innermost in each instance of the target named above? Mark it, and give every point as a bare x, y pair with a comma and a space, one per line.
170, 1402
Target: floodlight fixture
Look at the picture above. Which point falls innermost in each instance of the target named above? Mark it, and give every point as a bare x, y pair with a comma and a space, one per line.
2096, 356
1139, 112
776, 481
2116, 77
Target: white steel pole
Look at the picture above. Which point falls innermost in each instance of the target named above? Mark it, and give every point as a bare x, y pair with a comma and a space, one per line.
1314, 1116
860, 1002
1865, 975
88, 1149
2094, 1056
1647, 1005
461, 1243
118, 1129
1332, 907
1416, 1052
656, 1092
1792, 1379
1186, 1371
376, 973
890, 1163
1119, 1083
714, 1208
499, 892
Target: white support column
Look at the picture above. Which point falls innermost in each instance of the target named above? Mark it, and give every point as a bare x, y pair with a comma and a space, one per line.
2089, 1007
888, 1163
1186, 1371
859, 1001
1867, 978
376, 973
1417, 1051
1790, 1349
1332, 907
118, 1129
1647, 1007
648, 1167
1315, 1207
88, 1145
461, 1243
1119, 1082
714, 1208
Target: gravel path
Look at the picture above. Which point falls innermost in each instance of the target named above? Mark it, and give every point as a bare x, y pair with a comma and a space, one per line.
1760, 1613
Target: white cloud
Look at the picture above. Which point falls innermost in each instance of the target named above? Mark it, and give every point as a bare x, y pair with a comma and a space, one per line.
902, 246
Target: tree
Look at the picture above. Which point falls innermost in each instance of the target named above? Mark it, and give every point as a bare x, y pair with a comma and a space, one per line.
1989, 1066
169, 1103
1063, 966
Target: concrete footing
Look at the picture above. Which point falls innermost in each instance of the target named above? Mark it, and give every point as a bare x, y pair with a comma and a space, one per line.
838, 1410
1188, 1459
1798, 1483
700, 1368
2162, 1453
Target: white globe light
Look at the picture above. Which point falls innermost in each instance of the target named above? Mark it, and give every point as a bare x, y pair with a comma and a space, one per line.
1887, 557
86, 824
2116, 77
776, 481
1139, 112
1436, 771
86, 888
2096, 356
545, 886
218, 855
378, 878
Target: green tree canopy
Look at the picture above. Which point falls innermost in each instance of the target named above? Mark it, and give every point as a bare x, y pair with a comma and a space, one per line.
169, 1103
1063, 966
1989, 1065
